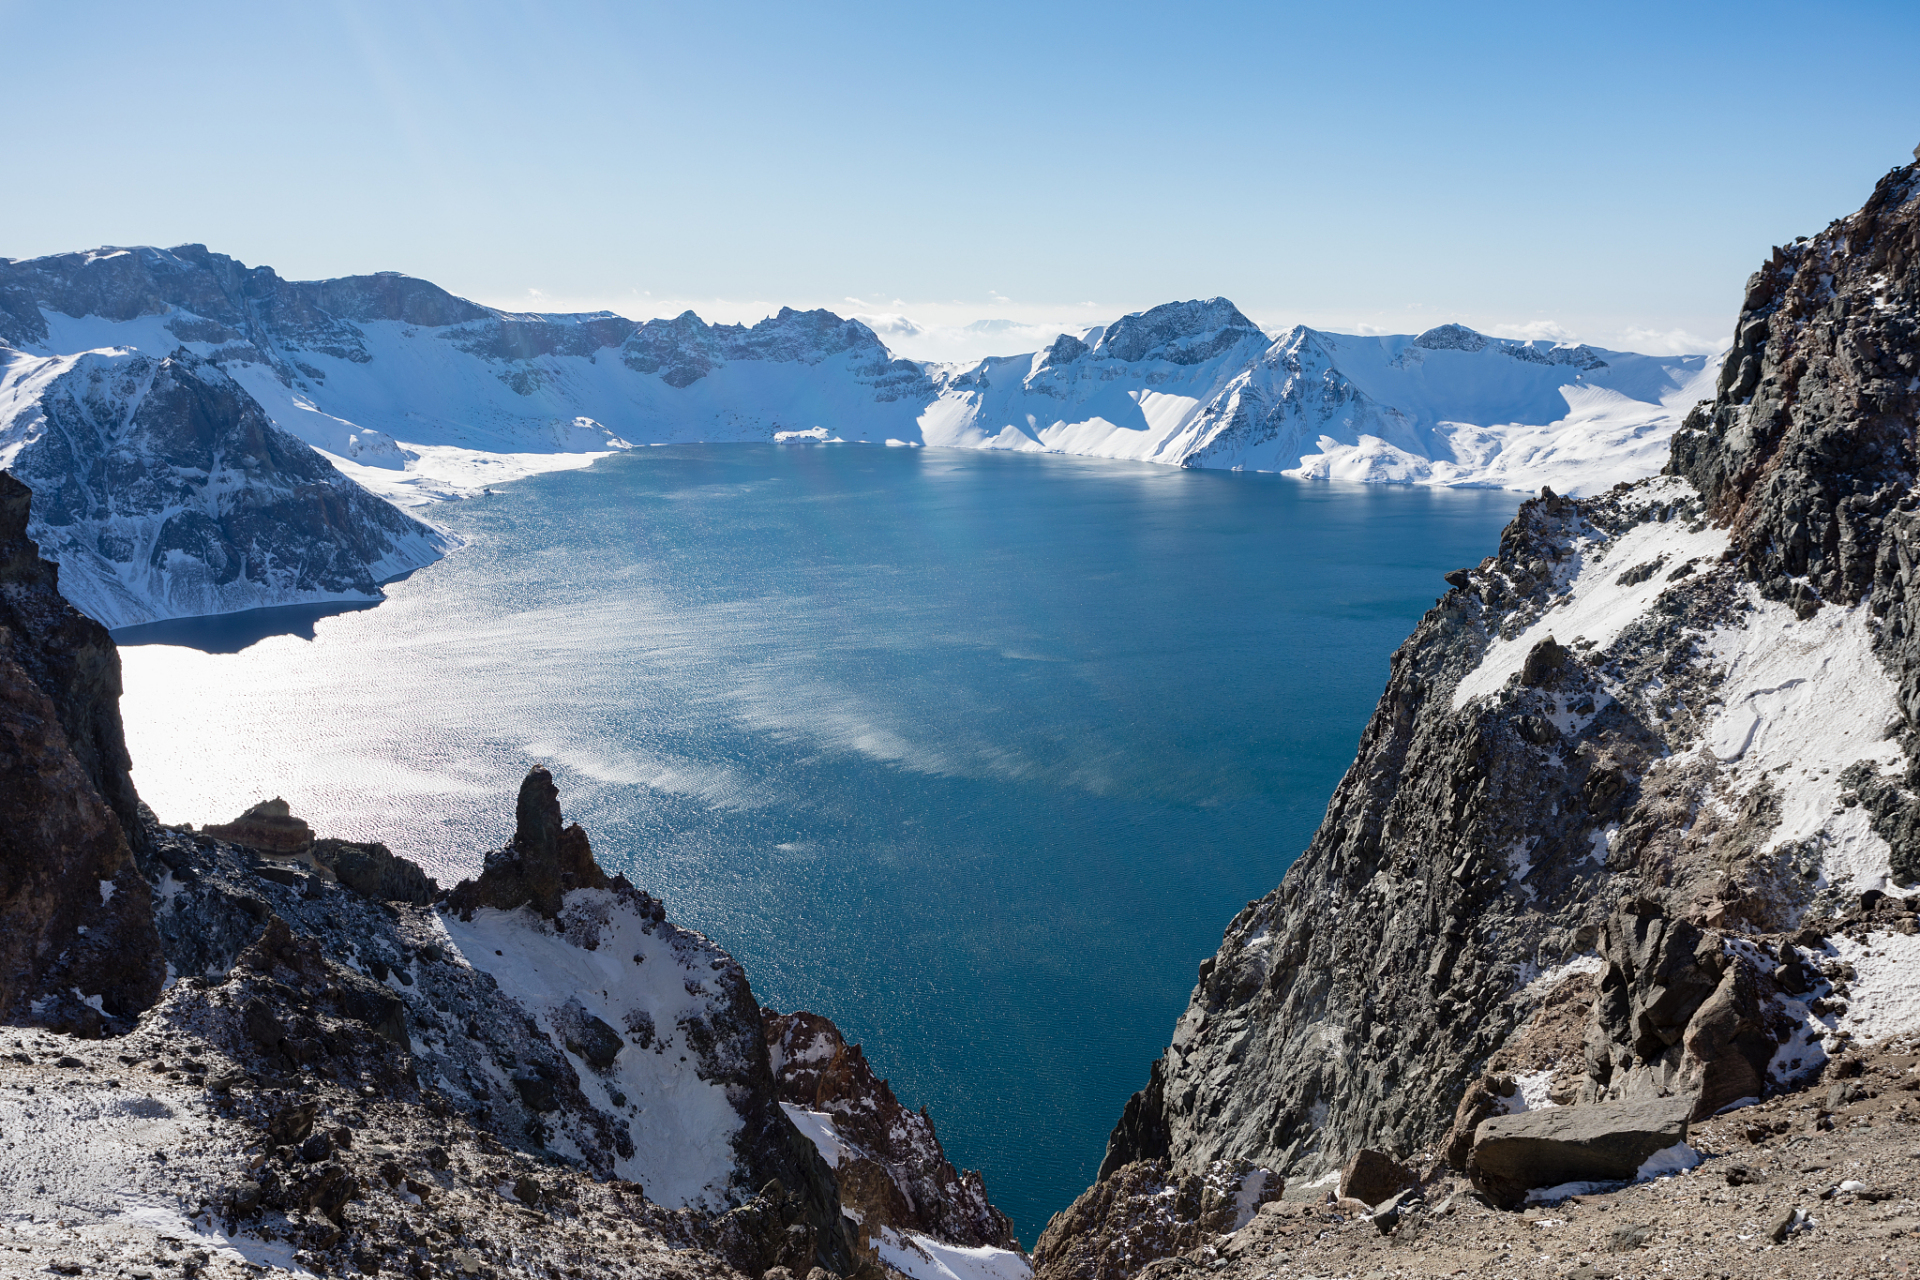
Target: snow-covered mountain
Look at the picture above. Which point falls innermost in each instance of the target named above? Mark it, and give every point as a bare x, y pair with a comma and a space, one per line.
163, 490
420, 396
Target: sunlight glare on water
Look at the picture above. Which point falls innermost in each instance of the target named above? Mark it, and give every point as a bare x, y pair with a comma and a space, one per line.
975, 753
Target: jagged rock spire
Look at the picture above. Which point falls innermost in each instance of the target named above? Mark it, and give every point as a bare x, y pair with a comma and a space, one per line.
545, 859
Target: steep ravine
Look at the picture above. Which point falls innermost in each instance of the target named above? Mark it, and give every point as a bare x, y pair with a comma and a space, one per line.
1638, 802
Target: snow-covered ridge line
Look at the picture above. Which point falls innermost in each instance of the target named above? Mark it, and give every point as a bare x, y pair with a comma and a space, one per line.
422, 395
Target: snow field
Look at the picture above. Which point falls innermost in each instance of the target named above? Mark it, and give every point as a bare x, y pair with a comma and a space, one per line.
925, 1258
682, 1126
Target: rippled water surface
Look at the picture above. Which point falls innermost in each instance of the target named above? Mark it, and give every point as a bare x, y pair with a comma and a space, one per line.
976, 753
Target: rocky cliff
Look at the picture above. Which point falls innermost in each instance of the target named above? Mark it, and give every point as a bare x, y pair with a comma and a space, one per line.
887, 1160
1634, 816
77, 943
383, 1076
164, 490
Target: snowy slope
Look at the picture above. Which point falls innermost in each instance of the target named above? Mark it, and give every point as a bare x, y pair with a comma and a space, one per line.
650, 980
421, 397
164, 491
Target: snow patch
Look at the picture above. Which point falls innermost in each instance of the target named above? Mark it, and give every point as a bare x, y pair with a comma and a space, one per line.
819, 1129
682, 1126
924, 1258
1537, 988
1801, 701
1596, 605
1883, 999
1677, 1158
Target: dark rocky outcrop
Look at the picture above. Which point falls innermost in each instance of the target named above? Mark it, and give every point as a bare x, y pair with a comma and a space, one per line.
893, 1172
374, 871
68, 655
1554, 875
269, 826
544, 860
77, 944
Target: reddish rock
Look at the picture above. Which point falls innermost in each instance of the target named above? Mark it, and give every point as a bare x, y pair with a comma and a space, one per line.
1373, 1176
894, 1172
269, 827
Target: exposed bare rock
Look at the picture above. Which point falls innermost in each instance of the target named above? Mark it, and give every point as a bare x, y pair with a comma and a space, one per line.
69, 655
375, 871
544, 860
269, 827
77, 943
887, 1160
1491, 1095
1373, 1176
1143, 1212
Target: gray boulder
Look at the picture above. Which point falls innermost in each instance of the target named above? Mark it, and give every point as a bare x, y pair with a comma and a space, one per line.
1608, 1142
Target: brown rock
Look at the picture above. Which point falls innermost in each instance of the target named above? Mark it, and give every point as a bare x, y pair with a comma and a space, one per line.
1143, 1212
76, 918
269, 827
543, 862
1485, 1097
1373, 1176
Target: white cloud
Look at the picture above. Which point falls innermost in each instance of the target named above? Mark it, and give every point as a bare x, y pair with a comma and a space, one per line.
1533, 331
1671, 342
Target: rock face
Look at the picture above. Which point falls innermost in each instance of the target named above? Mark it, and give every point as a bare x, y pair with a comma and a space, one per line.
165, 490
77, 945
543, 862
886, 1159
1629, 779
1143, 1212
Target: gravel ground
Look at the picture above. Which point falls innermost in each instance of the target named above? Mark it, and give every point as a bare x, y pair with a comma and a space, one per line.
1844, 1155
121, 1158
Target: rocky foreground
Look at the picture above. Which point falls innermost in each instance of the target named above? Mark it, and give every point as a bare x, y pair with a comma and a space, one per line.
1621, 871
248, 1049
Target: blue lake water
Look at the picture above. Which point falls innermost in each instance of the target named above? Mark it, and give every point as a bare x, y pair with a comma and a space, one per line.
976, 753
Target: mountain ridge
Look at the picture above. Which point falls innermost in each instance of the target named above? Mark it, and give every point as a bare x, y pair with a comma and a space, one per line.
421, 397
1635, 816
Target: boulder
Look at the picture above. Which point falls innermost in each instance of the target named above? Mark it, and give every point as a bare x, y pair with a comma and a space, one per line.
269, 827
1486, 1097
1602, 1143
1373, 1176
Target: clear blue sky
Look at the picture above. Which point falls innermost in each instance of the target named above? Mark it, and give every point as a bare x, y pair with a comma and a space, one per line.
1600, 167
